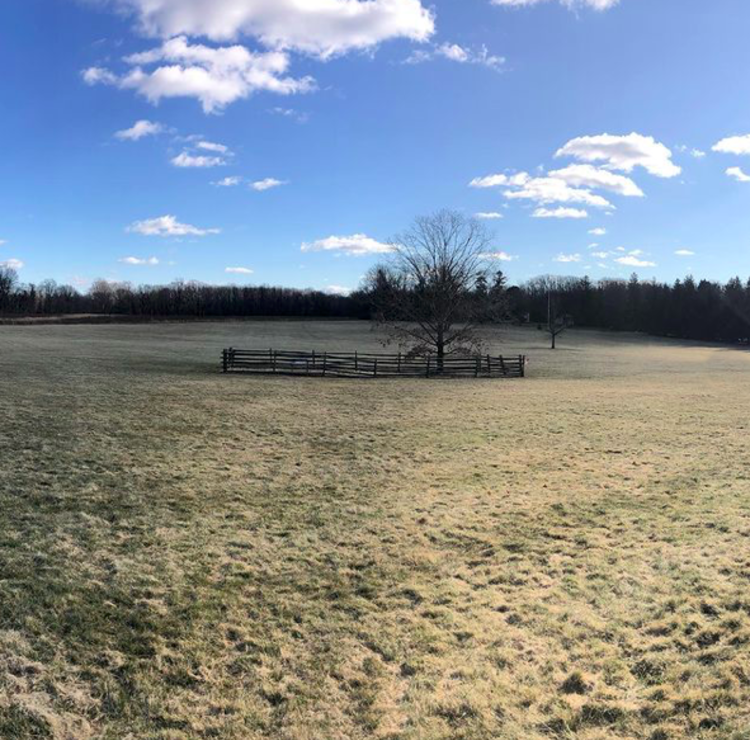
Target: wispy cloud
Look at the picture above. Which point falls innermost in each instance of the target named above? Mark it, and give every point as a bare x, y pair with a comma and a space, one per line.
268, 183
457, 53
139, 261
560, 213
139, 130
168, 226
12, 264
491, 216
239, 270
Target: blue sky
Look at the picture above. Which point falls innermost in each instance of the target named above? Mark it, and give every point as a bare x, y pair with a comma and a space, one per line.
331, 127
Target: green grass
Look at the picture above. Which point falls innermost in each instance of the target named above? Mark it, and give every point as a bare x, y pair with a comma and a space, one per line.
190, 555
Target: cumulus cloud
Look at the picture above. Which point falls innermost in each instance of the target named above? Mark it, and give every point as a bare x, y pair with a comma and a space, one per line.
488, 216
356, 245
541, 190
737, 173
168, 226
298, 116
588, 176
598, 231
138, 261
460, 54
633, 260
561, 212
214, 76
572, 4
498, 256
238, 270
139, 130
623, 153
12, 264
684, 253
739, 145
268, 184
98, 76
323, 28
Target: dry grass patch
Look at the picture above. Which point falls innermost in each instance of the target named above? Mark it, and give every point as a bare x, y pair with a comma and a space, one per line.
187, 555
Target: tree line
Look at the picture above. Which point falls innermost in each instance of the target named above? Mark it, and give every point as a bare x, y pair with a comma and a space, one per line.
180, 299
686, 309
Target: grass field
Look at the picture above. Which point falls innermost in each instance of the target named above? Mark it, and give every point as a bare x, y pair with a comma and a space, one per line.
186, 555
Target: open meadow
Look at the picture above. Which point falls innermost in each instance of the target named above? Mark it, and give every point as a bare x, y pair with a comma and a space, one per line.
188, 555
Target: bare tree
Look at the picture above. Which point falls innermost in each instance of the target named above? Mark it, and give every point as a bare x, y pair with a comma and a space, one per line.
8, 281
437, 288
550, 287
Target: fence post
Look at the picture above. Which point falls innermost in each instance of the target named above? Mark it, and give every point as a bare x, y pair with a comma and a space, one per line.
356, 363
313, 359
428, 365
478, 367
225, 360
502, 365
375, 368
523, 365
489, 366
273, 360
399, 363
325, 362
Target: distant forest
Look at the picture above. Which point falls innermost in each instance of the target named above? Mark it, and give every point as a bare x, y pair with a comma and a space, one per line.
686, 309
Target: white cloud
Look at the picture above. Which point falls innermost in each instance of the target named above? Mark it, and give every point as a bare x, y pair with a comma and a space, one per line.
572, 4
632, 260
568, 258
697, 153
495, 181
738, 174
228, 182
214, 76
623, 153
238, 270
460, 54
488, 216
598, 231
210, 146
356, 245
684, 253
600, 255
12, 264
323, 28
588, 176
139, 261
166, 226
187, 160
560, 213
338, 290
139, 130
546, 190
499, 256
298, 116
268, 184
98, 76
733, 145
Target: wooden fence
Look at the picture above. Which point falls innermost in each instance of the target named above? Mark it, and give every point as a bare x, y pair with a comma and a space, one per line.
356, 365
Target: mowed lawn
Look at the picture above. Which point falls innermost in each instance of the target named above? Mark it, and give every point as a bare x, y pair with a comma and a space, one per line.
189, 555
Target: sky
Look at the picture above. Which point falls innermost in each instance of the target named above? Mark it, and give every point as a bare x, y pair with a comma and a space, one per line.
287, 141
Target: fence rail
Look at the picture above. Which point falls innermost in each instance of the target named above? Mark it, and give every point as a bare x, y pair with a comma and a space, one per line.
370, 365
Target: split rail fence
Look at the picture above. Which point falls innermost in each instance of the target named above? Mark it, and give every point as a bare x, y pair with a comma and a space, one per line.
356, 365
